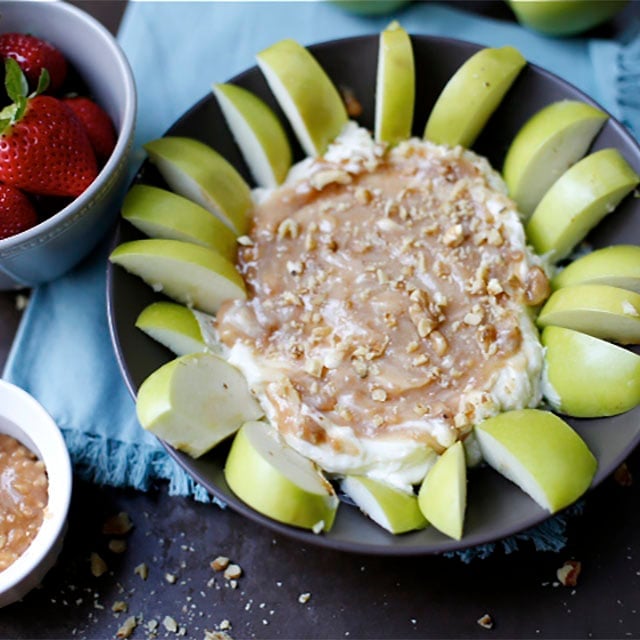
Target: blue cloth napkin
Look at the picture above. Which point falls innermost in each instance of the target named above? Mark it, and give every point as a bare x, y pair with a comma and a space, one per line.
63, 355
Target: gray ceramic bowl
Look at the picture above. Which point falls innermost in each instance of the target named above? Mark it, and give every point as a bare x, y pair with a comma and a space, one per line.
496, 507
56, 244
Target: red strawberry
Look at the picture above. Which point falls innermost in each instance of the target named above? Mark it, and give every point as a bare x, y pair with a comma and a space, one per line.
44, 148
97, 124
33, 55
16, 212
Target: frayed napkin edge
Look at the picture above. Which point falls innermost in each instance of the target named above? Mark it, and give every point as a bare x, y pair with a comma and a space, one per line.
118, 464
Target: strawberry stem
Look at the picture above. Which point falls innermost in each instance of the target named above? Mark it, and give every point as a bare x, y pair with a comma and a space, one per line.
17, 87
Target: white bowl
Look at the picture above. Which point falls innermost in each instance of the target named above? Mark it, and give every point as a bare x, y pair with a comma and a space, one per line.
22, 417
56, 244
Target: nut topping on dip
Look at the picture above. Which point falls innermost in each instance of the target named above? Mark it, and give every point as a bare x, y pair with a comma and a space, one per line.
388, 305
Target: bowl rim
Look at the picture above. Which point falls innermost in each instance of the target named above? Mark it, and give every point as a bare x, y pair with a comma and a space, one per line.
537, 515
113, 167
39, 431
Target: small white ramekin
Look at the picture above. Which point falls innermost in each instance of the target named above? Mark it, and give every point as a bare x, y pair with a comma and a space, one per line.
24, 418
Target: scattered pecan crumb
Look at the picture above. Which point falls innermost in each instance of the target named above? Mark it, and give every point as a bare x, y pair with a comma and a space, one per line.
622, 475
232, 572
220, 563
170, 624
303, 598
98, 565
127, 627
119, 606
142, 570
216, 635
224, 625
117, 545
117, 525
486, 621
568, 573
170, 578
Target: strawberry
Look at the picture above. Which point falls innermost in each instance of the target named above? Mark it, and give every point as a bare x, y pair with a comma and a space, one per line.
97, 124
16, 212
33, 55
44, 148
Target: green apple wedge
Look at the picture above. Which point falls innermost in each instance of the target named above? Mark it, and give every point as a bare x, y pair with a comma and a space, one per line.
181, 329
275, 480
194, 402
586, 377
577, 201
306, 94
186, 272
391, 508
564, 17
548, 143
600, 310
617, 265
395, 86
196, 171
370, 7
443, 494
472, 94
159, 213
540, 453
258, 133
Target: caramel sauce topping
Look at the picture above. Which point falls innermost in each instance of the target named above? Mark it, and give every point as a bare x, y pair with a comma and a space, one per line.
383, 298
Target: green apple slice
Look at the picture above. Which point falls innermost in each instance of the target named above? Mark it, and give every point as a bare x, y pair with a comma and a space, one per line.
194, 170
618, 266
159, 213
275, 480
194, 402
393, 509
370, 7
306, 94
586, 377
472, 94
258, 132
395, 86
186, 272
564, 17
549, 142
578, 201
540, 453
179, 328
600, 310
443, 494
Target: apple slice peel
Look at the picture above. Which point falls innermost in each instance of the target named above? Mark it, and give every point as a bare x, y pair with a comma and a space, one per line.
305, 93
547, 144
540, 453
471, 96
186, 272
578, 200
586, 377
161, 214
275, 480
393, 509
599, 310
258, 132
194, 402
395, 86
443, 494
196, 171
616, 265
